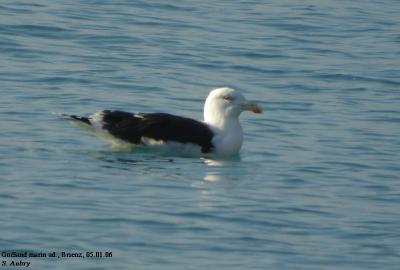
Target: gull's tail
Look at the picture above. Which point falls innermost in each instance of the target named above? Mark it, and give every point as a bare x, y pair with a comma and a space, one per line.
78, 119
82, 119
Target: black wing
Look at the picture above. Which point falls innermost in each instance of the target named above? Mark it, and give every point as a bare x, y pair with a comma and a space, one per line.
158, 126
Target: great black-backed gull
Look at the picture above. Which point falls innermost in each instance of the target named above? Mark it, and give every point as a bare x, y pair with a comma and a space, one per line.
220, 133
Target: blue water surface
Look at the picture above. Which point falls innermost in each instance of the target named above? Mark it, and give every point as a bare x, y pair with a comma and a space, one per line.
316, 185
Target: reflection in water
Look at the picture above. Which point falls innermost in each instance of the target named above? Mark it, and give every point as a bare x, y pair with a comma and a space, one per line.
218, 176
221, 162
125, 160
210, 170
212, 177
217, 173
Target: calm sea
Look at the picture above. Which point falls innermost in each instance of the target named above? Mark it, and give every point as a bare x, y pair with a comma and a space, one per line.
316, 185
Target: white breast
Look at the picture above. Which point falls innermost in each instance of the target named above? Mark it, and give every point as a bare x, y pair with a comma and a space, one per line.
228, 140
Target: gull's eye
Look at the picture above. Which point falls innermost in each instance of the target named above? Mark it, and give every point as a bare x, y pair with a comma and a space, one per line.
227, 98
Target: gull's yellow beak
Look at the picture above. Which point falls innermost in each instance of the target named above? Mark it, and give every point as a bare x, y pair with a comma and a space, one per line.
252, 107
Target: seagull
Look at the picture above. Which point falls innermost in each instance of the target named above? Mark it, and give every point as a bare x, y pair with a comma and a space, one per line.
219, 134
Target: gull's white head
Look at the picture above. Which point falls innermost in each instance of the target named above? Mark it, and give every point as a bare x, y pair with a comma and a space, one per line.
224, 103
